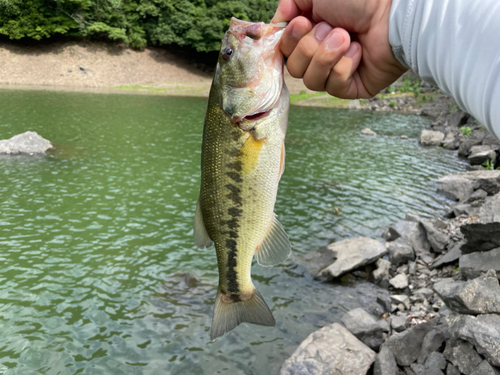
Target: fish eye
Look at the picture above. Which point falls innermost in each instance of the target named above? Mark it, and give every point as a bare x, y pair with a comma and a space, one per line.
227, 53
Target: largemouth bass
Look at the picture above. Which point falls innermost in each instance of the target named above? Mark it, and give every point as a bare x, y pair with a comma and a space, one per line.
242, 162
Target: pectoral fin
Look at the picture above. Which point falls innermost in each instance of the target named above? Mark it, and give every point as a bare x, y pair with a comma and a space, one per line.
201, 238
275, 248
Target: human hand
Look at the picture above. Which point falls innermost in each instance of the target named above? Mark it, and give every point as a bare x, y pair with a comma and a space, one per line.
326, 57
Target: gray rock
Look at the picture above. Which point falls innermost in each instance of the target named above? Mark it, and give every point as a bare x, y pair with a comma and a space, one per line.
400, 252
483, 233
382, 271
365, 327
437, 239
413, 233
404, 137
433, 340
451, 256
436, 360
25, 143
425, 370
467, 144
430, 138
351, 254
398, 323
482, 331
486, 180
354, 104
385, 363
462, 355
477, 195
475, 264
385, 302
407, 344
479, 154
452, 370
367, 131
478, 296
401, 298
314, 261
399, 281
330, 350
455, 187
464, 209
485, 368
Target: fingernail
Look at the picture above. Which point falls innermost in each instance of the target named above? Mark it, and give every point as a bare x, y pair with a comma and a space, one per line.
299, 30
353, 49
334, 41
322, 31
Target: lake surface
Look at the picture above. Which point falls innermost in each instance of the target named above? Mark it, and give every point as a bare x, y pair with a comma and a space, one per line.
95, 236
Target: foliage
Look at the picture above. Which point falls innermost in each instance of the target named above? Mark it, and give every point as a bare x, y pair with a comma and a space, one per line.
466, 130
489, 165
199, 24
408, 85
392, 103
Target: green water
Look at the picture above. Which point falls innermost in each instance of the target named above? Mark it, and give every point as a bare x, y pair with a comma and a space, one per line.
92, 234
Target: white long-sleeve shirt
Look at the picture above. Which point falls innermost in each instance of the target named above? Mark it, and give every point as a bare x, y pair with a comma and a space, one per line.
456, 44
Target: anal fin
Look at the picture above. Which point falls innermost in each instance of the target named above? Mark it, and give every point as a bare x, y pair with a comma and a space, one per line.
276, 247
201, 238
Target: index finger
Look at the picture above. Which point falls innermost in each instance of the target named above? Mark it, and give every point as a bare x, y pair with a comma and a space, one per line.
289, 9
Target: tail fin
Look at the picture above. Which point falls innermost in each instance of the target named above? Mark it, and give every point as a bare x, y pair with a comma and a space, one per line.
228, 315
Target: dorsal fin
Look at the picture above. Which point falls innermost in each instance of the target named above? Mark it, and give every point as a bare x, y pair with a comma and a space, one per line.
201, 238
275, 248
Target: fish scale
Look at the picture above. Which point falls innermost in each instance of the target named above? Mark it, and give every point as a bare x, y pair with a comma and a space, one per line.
242, 162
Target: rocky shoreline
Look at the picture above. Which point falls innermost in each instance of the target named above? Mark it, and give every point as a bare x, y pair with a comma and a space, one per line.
443, 316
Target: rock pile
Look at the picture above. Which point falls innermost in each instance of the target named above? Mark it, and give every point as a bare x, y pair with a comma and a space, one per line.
444, 314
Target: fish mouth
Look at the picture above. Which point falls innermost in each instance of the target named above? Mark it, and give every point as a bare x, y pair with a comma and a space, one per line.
257, 116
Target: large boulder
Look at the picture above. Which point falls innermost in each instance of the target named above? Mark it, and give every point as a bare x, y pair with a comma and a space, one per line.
482, 233
482, 331
462, 355
455, 187
479, 154
478, 296
430, 138
407, 344
400, 252
486, 180
365, 327
385, 363
25, 143
474, 264
351, 254
437, 238
410, 231
330, 350
451, 256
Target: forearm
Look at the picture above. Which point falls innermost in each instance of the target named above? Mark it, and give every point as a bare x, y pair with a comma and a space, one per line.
456, 44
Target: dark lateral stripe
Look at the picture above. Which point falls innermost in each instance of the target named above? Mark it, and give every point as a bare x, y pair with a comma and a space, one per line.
234, 194
236, 177
237, 166
232, 283
234, 211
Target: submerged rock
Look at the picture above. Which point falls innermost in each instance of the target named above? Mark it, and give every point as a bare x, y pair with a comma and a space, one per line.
25, 143
367, 131
351, 254
330, 350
